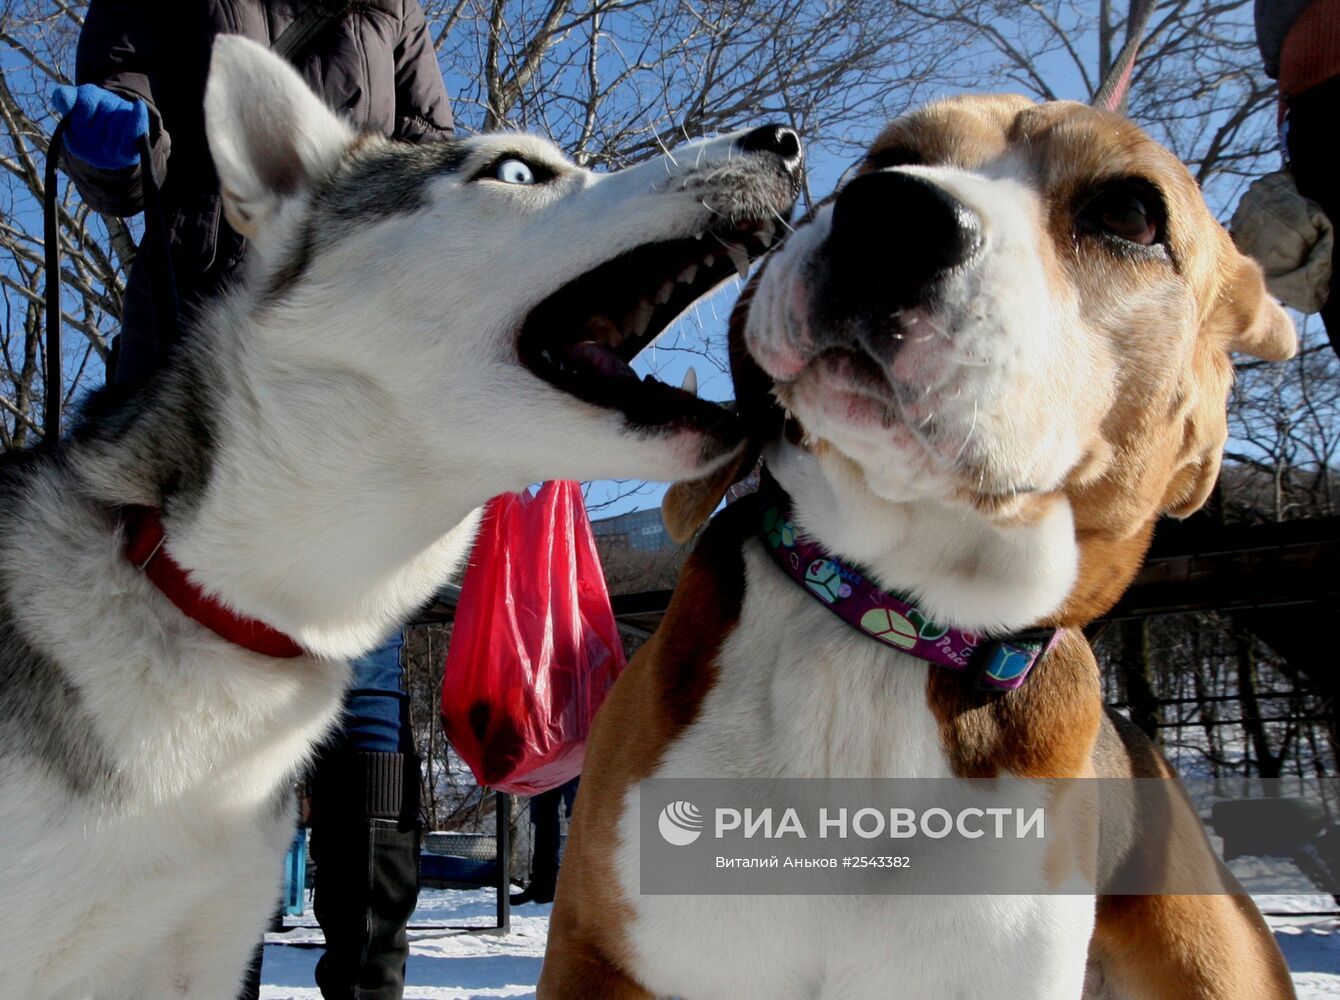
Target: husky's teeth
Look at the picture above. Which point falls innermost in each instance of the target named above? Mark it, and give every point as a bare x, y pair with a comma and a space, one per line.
664, 293
688, 274
690, 383
641, 319
764, 237
740, 259
547, 356
709, 260
698, 236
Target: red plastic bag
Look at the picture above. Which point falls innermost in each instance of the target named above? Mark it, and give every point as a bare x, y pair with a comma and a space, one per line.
534, 648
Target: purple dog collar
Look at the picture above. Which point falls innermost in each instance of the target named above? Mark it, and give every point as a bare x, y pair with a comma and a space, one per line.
998, 664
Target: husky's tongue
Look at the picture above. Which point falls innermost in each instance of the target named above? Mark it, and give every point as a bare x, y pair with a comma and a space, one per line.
602, 359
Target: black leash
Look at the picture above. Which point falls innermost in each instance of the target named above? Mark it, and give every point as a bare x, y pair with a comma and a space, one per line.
163, 278
55, 381
163, 281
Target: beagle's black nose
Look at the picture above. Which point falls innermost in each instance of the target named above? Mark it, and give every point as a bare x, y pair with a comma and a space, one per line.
776, 139
894, 233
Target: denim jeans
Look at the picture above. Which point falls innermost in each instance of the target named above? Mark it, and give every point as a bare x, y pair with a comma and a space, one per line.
376, 712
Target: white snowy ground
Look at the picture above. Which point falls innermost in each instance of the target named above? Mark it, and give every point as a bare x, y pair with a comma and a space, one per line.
1311, 945
442, 966
469, 966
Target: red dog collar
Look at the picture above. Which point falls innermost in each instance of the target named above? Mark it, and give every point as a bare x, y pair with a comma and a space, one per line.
144, 547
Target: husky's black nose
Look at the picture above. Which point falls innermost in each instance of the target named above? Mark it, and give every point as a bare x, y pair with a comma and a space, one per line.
893, 235
775, 139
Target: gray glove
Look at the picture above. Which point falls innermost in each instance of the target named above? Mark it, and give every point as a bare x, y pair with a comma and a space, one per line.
1290, 237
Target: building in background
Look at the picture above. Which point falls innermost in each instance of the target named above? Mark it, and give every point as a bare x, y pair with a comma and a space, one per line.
639, 529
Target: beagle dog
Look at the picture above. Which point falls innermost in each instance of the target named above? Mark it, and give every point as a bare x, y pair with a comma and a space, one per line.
980, 374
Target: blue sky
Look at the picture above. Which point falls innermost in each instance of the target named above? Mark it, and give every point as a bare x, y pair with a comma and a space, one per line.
668, 359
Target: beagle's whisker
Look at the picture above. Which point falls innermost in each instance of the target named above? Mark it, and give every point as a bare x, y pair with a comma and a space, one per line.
967, 437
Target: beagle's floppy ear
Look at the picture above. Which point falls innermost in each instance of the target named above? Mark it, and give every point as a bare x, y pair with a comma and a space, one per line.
689, 503
1246, 319
1194, 477
1258, 324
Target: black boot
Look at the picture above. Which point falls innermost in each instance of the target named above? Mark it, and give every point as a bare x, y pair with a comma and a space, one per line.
533, 893
365, 842
544, 823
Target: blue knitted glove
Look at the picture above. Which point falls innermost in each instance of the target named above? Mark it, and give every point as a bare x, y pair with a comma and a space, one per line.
102, 126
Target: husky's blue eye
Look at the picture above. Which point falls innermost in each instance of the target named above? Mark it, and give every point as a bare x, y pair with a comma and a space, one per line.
513, 171
514, 168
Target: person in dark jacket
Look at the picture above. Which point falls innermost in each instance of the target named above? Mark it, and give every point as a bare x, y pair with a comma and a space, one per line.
141, 69
376, 65
1300, 47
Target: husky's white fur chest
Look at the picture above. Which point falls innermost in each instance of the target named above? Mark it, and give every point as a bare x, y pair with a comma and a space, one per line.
799, 694
157, 811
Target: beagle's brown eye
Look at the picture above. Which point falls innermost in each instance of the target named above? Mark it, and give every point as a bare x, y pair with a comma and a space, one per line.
1129, 210
1129, 218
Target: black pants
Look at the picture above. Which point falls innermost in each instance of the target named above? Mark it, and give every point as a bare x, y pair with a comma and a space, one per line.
365, 842
1312, 159
544, 819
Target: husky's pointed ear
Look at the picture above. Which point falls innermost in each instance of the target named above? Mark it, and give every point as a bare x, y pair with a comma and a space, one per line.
270, 136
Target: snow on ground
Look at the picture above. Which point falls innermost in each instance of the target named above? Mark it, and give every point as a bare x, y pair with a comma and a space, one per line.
1311, 945
442, 965
445, 966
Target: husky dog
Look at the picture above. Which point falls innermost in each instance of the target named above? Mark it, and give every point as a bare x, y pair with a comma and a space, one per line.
418, 328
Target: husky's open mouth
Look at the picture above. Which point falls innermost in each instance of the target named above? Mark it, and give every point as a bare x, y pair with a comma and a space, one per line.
582, 338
